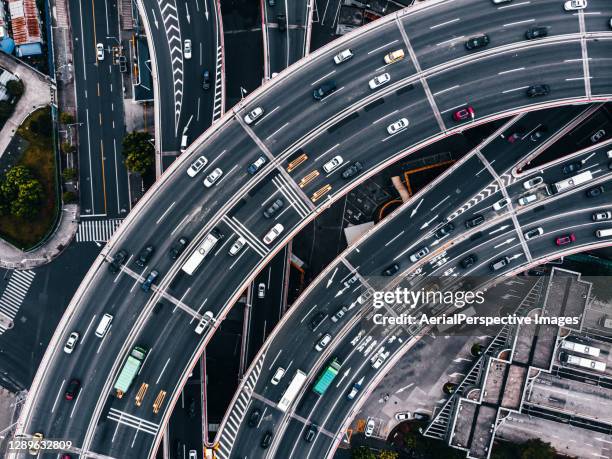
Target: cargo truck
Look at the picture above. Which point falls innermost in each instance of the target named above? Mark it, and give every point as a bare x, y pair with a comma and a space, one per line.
130, 369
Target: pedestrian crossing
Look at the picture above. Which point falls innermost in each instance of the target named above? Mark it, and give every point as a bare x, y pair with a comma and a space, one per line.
97, 230
218, 108
13, 295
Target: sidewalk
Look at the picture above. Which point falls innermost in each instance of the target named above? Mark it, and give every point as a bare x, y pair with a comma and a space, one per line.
13, 258
37, 94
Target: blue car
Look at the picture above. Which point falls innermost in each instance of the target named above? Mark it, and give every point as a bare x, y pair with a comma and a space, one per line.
146, 285
258, 164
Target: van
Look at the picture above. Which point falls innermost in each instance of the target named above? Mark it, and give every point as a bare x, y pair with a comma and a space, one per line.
603, 232
499, 264
184, 142
527, 199
104, 325
204, 322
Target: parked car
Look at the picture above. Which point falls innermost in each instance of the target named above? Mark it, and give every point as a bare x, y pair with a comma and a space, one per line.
419, 254
352, 170
273, 208
533, 182
499, 205
536, 32
477, 42
602, 215
323, 342
391, 270
575, 5
179, 247
369, 429
253, 115
379, 80
597, 136
402, 416
464, 113
343, 56
565, 239
572, 167
474, 221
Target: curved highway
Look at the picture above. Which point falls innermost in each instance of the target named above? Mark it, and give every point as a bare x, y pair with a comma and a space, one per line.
433, 79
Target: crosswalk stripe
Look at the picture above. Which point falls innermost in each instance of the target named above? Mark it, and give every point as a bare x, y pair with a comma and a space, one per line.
14, 294
97, 230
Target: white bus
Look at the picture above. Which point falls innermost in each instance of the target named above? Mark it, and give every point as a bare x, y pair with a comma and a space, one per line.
605, 232
586, 363
296, 384
197, 257
572, 182
580, 348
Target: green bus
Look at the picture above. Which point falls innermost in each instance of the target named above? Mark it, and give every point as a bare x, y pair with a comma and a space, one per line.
327, 376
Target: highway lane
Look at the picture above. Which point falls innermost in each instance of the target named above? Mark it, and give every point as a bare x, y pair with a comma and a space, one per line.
103, 179
371, 257
161, 210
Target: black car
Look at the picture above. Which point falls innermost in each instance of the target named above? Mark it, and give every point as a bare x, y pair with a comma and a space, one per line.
311, 433
475, 221
391, 270
572, 167
468, 261
118, 260
274, 207
352, 170
179, 247
477, 42
282, 22
144, 256
595, 191
206, 80
317, 319
72, 389
324, 90
538, 90
445, 230
266, 440
254, 417
536, 32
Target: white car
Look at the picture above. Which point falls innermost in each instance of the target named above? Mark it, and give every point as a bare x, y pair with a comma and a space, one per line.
193, 454
602, 215
418, 255
532, 183
100, 51
379, 360
278, 375
533, 233
574, 5
212, 177
323, 342
499, 205
403, 415
369, 430
273, 233
237, 246
71, 342
197, 166
332, 164
399, 125
379, 80
523, 201
343, 56
204, 322
598, 135
261, 290
253, 115
187, 49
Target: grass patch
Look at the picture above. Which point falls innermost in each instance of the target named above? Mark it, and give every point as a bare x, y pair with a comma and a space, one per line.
40, 159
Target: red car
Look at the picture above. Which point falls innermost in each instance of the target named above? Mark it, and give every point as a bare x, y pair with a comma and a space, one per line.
464, 113
567, 239
73, 389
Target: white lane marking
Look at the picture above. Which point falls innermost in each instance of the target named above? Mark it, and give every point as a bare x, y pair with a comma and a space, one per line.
511, 71
326, 152
442, 24
323, 77
165, 213
445, 90
387, 115
58, 394
522, 88
391, 240
163, 369
452, 40
383, 46
526, 21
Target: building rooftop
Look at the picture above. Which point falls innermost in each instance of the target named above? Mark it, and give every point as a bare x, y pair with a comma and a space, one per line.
25, 21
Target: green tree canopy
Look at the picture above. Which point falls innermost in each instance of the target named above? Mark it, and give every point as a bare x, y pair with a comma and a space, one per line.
68, 148
66, 118
6, 109
537, 449
363, 452
69, 197
21, 192
69, 173
14, 88
138, 152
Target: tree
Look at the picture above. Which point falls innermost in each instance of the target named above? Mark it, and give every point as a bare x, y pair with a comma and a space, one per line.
386, 454
138, 152
66, 118
14, 88
69, 197
68, 148
537, 449
363, 452
41, 125
69, 174
6, 109
21, 192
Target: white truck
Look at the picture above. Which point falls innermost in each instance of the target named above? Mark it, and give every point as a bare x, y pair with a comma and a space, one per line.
197, 257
